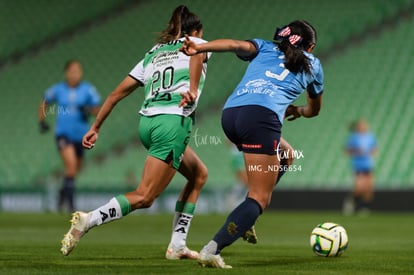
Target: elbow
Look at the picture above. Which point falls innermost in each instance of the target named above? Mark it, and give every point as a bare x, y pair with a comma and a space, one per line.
315, 109
315, 112
312, 112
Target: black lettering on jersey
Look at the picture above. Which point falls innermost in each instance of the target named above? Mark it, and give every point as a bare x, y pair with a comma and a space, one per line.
174, 42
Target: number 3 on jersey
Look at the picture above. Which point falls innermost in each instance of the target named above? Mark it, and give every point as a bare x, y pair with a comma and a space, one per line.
280, 76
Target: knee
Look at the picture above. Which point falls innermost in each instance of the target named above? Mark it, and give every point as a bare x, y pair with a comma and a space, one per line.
146, 202
71, 169
262, 199
202, 175
139, 201
199, 176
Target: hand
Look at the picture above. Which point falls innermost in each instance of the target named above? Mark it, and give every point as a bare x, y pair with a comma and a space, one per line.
189, 47
43, 127
89, 139
292, 112
85, 112
187, 98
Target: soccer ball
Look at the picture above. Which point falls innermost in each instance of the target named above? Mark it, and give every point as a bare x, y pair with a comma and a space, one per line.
329, 239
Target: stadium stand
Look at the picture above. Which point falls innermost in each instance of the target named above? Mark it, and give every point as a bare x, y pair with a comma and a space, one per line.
361, 80
29, 23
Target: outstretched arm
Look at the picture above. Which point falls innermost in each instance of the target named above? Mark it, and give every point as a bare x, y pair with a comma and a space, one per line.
240, 47
127, 86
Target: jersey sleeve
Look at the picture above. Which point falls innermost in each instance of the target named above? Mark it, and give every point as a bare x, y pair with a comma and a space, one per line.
137, 72
315, 88
50, 94
374, 142
350, 143
94, 97
257, 43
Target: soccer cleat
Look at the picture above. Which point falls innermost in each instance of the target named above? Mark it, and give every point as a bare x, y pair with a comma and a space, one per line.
78, 228
250, 236
210, 260
183, 253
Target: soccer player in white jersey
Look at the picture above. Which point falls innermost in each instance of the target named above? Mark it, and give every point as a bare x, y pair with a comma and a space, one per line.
278, 73
172, 84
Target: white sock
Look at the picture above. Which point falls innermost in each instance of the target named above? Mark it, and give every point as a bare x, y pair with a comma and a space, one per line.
180, 230
175, 220
106, 213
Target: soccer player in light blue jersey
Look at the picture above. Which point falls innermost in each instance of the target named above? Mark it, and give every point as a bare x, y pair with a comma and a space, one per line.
74, 101
278, 73
361, 147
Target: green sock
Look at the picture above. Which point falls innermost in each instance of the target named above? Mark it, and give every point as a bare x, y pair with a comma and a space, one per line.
188, 208
179, 206
124, 204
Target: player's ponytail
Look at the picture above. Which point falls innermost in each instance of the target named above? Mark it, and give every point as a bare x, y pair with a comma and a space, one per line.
293, 40
182, 21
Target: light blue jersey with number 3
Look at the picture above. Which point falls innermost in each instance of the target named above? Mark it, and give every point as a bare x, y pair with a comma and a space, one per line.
268, 83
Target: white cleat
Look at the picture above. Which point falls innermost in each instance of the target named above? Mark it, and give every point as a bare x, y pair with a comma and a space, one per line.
183, 253
211, 260
250, 236
78, 228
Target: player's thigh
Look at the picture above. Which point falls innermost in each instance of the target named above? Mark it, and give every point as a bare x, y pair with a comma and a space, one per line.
67, 152
262, 171
368, 182
362, 183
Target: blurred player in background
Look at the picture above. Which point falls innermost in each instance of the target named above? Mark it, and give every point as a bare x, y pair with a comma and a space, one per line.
74, 101
278, 73
361, 147
172, 85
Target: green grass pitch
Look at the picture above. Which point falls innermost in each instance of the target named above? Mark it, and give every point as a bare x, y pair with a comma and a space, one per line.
382, 243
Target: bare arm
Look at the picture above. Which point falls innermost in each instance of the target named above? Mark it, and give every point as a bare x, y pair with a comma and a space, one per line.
311, 109
42, 111
196, 68
43, 125
240, 47
126, 87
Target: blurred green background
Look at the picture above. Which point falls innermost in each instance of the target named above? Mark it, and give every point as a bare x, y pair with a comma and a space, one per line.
366, 48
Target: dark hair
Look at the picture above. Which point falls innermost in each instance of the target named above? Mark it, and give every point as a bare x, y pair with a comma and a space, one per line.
292, 40
182, 22
353, 125
69, 63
